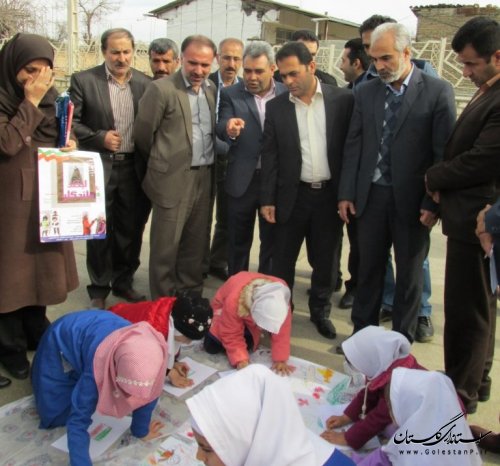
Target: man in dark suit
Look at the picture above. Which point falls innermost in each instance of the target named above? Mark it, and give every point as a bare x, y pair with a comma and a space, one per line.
215, 262
175, 132
106, 99
240, 124
398, 130
304, 135
467, 180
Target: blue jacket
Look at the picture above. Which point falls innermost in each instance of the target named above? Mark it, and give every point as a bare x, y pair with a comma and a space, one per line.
63, 378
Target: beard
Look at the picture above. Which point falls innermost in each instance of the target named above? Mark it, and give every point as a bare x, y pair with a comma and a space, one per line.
388, 77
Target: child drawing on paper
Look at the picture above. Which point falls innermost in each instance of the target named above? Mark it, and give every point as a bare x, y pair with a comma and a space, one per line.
374, 352
422, 404
92, 361
244, 306
251, 418
180, 319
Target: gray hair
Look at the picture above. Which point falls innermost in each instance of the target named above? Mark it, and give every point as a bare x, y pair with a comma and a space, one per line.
162, 46
257, 48
402, 38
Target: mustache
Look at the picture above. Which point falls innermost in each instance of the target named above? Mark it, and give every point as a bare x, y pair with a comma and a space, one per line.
230, 69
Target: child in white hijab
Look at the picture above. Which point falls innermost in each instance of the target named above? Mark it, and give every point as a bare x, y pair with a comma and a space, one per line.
251, 418
246, 304
432, 428
374, 352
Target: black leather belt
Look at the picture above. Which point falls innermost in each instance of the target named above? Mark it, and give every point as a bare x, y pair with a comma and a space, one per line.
120, 156
200, 167
316, 184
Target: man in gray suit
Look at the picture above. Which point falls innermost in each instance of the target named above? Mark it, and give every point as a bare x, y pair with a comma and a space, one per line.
106, 99
399, 129
175, 132
241, 121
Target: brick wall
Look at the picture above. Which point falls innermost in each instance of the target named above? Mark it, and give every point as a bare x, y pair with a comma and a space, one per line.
437, 22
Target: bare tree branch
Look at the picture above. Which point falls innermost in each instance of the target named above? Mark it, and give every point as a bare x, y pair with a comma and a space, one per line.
93, 12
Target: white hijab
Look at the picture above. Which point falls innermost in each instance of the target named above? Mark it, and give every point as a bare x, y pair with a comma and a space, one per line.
270, 306
373, 349
423, 403
251, 418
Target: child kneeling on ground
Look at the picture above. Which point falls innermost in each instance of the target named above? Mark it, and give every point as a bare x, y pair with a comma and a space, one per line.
245, 305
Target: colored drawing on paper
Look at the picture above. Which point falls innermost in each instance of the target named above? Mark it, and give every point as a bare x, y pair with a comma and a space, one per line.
326, 373
336, 394
100, 432
173, 451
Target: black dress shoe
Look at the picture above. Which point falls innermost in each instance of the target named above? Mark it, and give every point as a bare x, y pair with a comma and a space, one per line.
4, 381
347, 300
325, 327
18, 371
130, 295
219, 272
425, 329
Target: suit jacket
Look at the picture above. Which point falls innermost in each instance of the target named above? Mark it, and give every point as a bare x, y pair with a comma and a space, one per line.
469, 176
424, 124
492, 225
281, 154
244, 153
163, 134
93, 115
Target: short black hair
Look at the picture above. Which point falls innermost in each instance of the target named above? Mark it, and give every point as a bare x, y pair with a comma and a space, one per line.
373, 21
357, 51
198, 39
482, 33
162, 46
305, 35
119, 32
295, 49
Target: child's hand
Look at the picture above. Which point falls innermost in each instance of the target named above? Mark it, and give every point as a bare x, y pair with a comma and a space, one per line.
282, 368
242, 364
182, 368
338, 438
177, 377
337, 421
154, 431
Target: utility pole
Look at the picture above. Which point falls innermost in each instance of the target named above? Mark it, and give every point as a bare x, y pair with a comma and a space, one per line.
73, 36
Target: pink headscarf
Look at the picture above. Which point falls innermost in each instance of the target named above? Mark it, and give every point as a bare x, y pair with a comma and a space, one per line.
129, 369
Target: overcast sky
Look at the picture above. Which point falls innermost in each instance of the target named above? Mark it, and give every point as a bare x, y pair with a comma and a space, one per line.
131, 13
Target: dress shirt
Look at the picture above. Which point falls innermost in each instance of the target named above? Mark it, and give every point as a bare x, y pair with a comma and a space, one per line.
201, 117
311, 120
122, 106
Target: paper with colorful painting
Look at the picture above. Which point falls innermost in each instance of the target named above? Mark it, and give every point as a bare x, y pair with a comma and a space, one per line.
198, 372
307, 378
174, 450
104, 431
71, 195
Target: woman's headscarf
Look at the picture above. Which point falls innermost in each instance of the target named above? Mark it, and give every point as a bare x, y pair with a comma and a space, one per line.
251, 418
425, 406
372, 350
270, 306
15, 54
129, 369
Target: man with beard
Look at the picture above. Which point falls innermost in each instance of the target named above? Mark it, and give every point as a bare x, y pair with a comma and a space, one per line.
163, 57
399, 128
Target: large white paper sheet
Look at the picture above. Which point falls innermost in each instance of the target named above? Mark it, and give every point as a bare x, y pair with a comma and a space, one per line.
198, 372
103, 431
